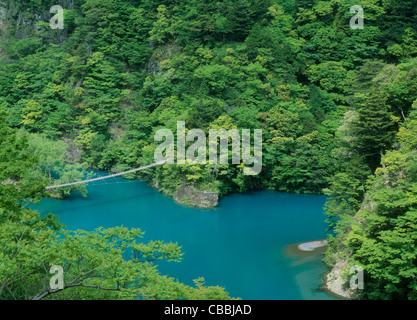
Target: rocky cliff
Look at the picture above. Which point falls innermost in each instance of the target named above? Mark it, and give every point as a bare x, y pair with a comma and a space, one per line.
16, 19
337, 283
191, 196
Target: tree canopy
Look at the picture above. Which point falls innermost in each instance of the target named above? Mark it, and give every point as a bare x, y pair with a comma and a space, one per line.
336, 105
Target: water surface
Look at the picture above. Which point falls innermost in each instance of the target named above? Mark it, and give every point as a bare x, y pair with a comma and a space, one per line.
241, 245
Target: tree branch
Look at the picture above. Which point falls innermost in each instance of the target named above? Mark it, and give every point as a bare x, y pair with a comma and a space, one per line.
49, 291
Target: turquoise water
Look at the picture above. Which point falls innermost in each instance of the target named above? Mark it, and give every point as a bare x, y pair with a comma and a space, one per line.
239, 245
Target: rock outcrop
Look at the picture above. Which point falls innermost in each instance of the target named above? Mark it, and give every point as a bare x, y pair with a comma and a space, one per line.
15, 13
193, 197
336, 283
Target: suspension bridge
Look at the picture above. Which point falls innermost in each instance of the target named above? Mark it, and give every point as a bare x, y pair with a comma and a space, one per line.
106, 177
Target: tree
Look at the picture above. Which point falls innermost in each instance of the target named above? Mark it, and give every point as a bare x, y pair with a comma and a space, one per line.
104, 264
374, 128
32, 114
381, 236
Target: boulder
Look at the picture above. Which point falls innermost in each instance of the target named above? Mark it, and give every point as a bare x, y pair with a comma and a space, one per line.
193, 197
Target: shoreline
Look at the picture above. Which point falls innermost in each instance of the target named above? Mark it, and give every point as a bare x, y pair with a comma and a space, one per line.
310, 250
303, 249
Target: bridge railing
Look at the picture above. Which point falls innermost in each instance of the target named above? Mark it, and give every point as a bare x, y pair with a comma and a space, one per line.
106, 177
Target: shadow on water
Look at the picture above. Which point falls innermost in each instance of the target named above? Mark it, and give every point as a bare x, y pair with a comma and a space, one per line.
88, 203
307, 267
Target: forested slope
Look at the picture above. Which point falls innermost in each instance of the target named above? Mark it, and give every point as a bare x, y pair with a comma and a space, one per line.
331, 101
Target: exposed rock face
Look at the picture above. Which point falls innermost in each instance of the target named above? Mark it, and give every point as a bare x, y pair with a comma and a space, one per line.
14, 12
336, 280
191, 196
336, 283
73, 154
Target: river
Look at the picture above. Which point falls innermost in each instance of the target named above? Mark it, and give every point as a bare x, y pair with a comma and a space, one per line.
243, 245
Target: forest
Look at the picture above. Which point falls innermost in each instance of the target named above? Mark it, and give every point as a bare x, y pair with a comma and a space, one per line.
337, 107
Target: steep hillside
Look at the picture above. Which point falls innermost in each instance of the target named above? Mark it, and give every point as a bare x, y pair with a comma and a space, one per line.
331, 100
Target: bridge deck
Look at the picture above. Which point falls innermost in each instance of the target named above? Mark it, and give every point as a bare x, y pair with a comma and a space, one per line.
106, 177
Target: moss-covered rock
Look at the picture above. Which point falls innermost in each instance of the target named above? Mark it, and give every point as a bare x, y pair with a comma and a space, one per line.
193, 197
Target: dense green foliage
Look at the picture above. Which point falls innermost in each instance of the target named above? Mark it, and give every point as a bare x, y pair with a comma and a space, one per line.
120, 70
332, 102
381, 235
104, 264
